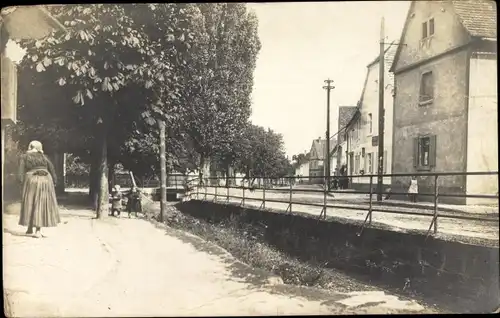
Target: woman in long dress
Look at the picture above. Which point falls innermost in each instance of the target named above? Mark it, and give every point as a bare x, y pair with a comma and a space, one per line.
38, 203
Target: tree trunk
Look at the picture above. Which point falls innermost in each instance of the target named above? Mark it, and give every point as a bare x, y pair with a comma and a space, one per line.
228, 168
94, 173
111, 173
202, 166
103, 195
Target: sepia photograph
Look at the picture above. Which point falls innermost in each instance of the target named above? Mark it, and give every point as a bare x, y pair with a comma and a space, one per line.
250, 158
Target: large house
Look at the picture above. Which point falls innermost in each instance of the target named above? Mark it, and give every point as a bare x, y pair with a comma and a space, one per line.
362, 129
341, 150
445, 114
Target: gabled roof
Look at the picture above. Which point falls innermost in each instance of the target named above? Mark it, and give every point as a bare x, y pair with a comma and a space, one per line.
389, 54
477, 16
345, 115
319, 146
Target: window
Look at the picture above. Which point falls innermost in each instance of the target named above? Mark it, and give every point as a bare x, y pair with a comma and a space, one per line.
424, 153
431, 27
356, 165
428, 28
426, 88
370, 163
370, 123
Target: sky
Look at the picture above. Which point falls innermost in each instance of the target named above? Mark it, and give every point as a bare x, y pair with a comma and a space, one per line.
305, 43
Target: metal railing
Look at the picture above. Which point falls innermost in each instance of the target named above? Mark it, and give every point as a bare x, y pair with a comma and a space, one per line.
268, 185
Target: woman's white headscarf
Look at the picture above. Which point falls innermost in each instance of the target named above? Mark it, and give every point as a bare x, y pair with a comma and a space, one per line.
35, 146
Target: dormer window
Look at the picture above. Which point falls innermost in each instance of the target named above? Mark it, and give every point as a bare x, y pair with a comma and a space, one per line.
428, 28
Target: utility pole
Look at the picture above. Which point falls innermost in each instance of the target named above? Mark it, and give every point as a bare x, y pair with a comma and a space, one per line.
381, 113
163, 173
328, 88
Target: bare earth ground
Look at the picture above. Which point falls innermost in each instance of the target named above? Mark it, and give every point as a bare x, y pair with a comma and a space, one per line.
462, 230
129, 267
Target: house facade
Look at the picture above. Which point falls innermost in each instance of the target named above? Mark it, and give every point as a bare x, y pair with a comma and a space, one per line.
445, 114
362, 130
317, 158
301, 172
341, 151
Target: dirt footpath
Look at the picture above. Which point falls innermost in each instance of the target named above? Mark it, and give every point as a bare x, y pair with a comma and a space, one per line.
129, 267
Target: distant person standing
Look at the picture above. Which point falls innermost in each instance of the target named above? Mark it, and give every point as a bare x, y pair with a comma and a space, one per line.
38, 203
413, 189
134, 203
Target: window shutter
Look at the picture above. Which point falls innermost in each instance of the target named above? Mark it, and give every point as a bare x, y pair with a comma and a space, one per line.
415, 152
431, 26
430, 88
432, 151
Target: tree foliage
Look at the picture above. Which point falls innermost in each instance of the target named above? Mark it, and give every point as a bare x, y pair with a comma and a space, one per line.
101, 87
75, 166
300, 159
220, 77
260, 152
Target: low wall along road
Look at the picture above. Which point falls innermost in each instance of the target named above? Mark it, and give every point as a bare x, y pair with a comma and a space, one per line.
463, 230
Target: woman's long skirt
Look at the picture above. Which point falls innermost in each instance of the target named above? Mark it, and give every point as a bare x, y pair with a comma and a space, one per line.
39, 203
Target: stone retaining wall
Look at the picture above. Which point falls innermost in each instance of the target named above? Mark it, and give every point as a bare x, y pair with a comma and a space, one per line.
403, 260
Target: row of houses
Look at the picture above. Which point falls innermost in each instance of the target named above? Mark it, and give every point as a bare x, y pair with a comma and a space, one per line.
440, 105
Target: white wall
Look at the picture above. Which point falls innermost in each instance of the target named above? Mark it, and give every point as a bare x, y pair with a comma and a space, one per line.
333, 163
369, 105
482, 139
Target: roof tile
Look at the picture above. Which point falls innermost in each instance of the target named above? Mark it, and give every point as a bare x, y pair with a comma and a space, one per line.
345, 115
478, 17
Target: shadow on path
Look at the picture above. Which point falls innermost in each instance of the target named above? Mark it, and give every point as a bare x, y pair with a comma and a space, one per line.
17, 233
257, 279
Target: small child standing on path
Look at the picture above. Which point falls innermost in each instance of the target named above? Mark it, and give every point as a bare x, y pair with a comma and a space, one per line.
413, 189
116, 201
134, 203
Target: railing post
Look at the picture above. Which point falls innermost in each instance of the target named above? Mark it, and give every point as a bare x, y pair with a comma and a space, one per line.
243, 200
436, 194
227, 192
371, 200
291, 191
216, 186
205, 186
198, 190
